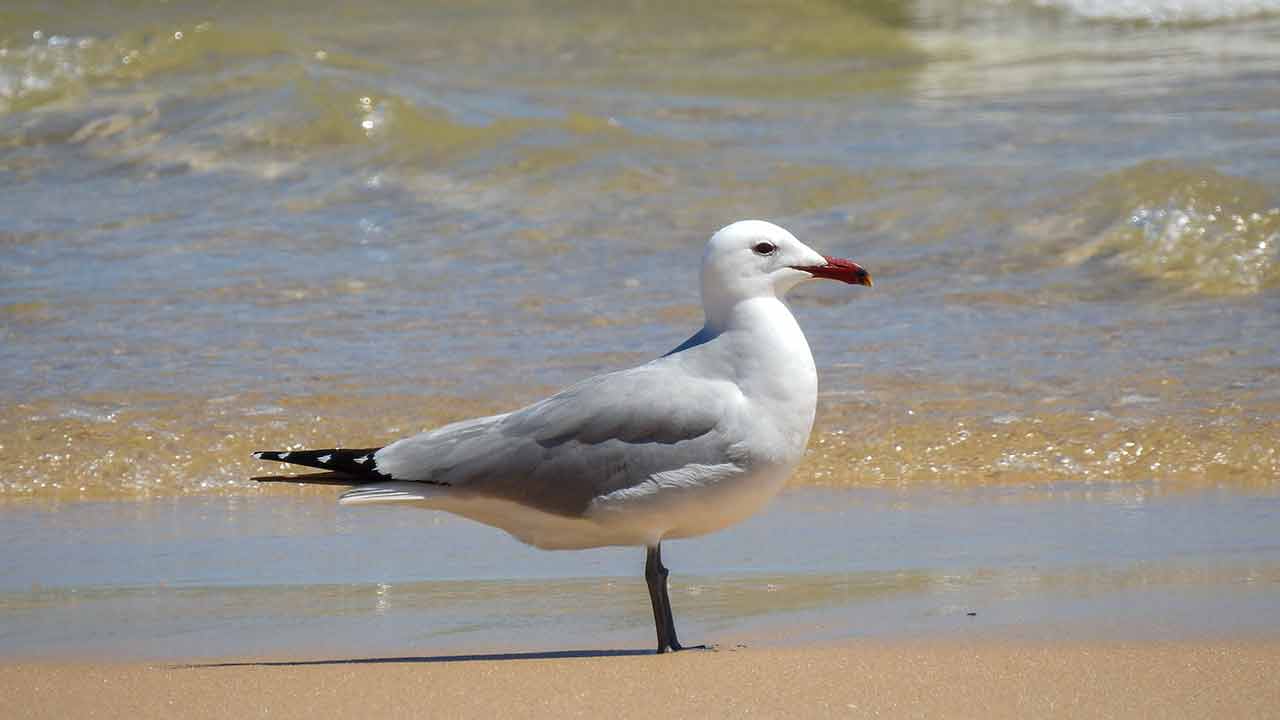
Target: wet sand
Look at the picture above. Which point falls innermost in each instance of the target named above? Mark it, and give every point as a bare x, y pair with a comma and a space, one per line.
865, 679
299, 577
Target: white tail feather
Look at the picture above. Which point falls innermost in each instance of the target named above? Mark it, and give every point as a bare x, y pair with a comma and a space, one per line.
387, 492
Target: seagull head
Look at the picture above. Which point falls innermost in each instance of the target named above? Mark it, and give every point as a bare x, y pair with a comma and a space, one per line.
754, 258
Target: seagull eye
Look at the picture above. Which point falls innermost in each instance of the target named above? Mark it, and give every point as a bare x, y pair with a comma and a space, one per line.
765, 248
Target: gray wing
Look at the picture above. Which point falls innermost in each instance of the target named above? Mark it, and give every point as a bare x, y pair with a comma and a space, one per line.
604, 434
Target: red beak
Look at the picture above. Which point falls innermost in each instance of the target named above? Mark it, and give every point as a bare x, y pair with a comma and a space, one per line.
846, 271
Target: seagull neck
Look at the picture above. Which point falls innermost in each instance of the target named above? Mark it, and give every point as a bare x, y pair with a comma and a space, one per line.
772, 366
765, 339
753, 315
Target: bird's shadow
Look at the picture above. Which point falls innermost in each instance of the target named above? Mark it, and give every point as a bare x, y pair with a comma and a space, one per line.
469, 657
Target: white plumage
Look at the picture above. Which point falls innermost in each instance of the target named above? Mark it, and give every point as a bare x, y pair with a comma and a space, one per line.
686, 444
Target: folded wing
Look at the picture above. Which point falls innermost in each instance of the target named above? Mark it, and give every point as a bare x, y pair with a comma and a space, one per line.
607, 433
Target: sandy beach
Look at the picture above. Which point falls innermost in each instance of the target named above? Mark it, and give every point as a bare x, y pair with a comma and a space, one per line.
980, 679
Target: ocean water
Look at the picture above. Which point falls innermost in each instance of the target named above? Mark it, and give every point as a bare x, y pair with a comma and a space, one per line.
232, 226
216, 577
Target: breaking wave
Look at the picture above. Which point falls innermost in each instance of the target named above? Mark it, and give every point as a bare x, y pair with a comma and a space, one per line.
1165, 12
1191, 228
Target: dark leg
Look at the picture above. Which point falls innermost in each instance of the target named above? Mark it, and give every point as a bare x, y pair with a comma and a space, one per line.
666, 604
656, 576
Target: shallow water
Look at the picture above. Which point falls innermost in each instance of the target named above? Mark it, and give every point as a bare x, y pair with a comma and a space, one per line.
280, 226
297, 577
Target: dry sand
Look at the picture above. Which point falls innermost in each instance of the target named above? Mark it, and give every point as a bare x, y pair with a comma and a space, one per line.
952, 678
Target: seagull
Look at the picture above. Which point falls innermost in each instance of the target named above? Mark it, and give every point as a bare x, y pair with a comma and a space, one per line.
686, 444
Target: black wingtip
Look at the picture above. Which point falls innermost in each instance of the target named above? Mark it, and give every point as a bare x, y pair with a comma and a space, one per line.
360, 463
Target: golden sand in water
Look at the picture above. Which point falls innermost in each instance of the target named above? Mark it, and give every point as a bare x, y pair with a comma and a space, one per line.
111, 446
